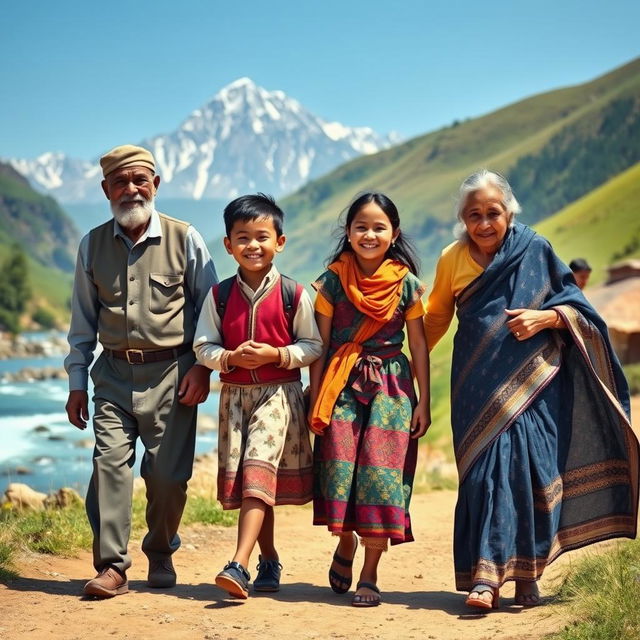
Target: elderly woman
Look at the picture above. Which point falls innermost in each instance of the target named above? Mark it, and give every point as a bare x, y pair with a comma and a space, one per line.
546, 457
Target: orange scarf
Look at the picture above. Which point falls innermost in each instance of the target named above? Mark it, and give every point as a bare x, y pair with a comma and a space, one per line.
377, 297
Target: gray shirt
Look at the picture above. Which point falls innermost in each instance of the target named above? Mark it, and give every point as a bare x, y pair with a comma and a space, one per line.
200, 276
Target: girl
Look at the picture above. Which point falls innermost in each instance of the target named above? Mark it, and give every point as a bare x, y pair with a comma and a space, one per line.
364, 411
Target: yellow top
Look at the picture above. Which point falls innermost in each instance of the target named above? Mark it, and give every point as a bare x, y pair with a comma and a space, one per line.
454, 271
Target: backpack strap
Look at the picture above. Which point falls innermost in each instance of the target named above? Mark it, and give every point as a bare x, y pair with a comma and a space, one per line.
291, 292
221, 292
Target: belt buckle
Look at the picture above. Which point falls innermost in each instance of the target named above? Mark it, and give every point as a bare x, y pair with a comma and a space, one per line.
137, 353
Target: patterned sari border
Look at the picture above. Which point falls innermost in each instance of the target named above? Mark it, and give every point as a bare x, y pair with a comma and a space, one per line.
526, 568
593, 477
594, 531
488, 337
581, 331
506, 404
494, 574
549, 497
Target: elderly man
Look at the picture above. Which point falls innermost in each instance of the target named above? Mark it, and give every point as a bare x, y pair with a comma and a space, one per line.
139, 284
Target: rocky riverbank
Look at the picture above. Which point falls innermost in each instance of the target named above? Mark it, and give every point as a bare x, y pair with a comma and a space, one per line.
24, 347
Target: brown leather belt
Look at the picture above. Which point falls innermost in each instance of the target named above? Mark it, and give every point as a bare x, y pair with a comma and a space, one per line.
143, 356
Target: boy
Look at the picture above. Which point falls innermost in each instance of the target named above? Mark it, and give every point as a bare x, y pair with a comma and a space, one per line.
258, 329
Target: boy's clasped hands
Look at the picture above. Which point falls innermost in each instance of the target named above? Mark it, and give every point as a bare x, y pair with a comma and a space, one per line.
251, 355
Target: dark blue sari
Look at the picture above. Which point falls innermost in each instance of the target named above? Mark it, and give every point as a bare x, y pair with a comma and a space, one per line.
544, 447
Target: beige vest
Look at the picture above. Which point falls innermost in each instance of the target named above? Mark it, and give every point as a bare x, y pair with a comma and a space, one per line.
144, 301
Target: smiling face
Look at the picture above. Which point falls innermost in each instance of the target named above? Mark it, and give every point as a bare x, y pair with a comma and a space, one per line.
370, 235
253, 244
486, 219
131, 192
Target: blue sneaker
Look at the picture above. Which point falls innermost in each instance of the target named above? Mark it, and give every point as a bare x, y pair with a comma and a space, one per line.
234, 578
268, 578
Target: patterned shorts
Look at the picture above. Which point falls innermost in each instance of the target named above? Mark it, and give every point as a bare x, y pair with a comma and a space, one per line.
263, 445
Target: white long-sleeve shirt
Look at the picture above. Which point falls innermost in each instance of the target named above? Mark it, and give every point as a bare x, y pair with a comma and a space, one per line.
208, 343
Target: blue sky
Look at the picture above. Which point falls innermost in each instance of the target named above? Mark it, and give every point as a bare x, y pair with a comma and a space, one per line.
80, 77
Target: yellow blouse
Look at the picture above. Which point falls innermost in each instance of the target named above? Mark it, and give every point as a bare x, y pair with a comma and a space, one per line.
454, 271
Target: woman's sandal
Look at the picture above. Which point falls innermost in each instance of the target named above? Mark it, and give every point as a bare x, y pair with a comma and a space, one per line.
482, 603
341, 583
528, 599
366, 600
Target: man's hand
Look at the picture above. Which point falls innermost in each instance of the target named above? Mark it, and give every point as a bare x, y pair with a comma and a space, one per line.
194, 387
78, 408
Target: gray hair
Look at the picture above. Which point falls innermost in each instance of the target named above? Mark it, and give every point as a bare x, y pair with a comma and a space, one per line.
482, 179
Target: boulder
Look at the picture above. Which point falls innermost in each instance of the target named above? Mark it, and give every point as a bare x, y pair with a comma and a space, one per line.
41, 429
84, 443
22, 496
206, 423
65, 497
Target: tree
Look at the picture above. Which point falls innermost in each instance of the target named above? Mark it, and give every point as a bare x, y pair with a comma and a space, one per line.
15, 291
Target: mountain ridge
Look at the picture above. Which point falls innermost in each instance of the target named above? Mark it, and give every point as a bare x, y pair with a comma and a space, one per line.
244, 138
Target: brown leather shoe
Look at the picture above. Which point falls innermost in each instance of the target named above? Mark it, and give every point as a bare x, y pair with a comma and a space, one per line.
161, 575
106, 584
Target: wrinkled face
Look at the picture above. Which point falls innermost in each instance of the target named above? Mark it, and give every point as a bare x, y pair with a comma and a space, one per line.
582, 277
254, 243
371, 234
486, 219
131, 192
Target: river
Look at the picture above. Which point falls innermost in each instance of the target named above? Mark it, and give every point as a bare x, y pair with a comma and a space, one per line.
37, 444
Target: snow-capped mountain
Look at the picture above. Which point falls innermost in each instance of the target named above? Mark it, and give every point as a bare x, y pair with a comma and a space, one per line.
244, 139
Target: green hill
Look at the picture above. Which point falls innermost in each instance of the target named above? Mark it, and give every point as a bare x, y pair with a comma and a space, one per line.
603, 226
38, 225
554, 147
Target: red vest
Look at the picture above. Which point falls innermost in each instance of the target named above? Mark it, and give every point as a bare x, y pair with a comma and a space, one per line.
264, 321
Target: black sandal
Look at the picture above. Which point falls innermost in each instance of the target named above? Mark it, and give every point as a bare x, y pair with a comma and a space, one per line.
341, 583
234, 578
366, 600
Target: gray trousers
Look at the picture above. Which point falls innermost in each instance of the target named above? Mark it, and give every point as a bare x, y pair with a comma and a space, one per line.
132, 401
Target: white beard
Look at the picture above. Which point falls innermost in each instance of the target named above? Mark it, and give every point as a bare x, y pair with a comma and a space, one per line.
132, 217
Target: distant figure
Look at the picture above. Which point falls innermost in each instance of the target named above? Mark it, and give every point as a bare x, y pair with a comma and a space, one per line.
581, 271
141, 278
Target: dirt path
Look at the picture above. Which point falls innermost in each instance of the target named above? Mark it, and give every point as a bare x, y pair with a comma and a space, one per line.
416, 580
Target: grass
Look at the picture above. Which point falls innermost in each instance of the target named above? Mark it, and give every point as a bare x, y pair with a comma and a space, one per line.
53, 531
66, 531
433, 480
599, 225
602, 596
632, 373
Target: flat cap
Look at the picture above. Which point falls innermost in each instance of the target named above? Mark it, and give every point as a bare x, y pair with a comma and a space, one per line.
126, 155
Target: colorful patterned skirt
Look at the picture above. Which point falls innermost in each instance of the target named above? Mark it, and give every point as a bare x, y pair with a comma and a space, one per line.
263, 445
365, 461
